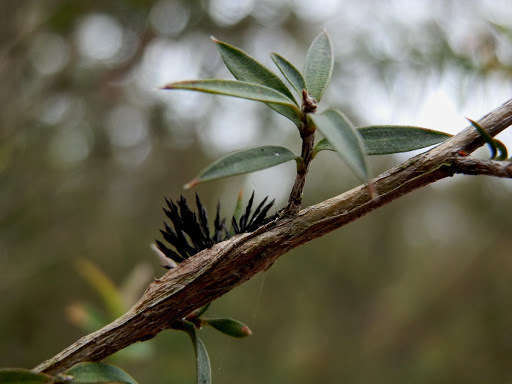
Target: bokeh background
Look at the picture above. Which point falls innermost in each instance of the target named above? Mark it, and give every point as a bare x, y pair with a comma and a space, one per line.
419, 291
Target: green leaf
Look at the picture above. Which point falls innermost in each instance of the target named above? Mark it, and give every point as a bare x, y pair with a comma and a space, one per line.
23, 376
487, 138
502, 150
98, 373
103, 285
245, 68
289, 71
319, 65
344, 138
230, 327
204, 371
241, 162
234, 88
200, 311
386, 139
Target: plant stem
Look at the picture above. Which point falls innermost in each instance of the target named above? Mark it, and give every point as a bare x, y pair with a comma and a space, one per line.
307, 133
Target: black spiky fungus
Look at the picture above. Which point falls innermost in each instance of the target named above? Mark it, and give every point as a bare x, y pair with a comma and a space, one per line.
189, 232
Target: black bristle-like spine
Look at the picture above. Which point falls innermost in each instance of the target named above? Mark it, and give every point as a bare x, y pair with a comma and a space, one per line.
261, 219
257, 211
245, 217
169, 252
190, 232
203, 221
220, 231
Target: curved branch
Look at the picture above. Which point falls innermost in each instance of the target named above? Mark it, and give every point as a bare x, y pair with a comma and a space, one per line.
215, 271
468, 166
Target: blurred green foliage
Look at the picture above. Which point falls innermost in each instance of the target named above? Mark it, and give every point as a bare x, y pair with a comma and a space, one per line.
418, 291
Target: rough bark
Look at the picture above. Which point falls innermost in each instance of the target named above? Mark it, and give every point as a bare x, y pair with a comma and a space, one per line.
215, 271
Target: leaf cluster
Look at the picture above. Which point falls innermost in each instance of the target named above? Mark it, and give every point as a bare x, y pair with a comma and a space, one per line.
254, 81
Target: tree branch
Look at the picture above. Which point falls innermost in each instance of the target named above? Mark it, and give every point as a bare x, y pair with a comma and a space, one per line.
215, 271
468, 166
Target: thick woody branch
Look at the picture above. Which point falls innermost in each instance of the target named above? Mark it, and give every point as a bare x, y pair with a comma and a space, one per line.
214, 272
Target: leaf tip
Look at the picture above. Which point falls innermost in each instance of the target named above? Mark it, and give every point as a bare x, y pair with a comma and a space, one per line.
246, 330
214, 39
473, 122
192, 183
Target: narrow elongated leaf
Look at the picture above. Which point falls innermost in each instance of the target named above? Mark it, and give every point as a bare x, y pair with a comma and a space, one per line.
239, 205
289, 71
203, 367
292, 113
241, 89
230, 327
487, 138
386, 139
344, 138
243, 162
245, 68
319, 65
103, 285
502, 150
98, 373
23, 376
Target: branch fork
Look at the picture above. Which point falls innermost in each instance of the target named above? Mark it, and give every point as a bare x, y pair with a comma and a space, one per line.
217, 270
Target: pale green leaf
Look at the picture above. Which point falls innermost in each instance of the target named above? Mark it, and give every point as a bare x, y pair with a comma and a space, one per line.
386, 139
98, 373
245, 68
241, 89
319, 66
230, 327
23, 376
344, 138
103, 285
289, 71
243, 162
203, 367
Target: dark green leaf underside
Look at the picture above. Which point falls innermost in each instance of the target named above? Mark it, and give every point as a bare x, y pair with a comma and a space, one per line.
22, 376
493, 147
290, 72
245, 161
344, 138
98, 373
387, 139
229, 327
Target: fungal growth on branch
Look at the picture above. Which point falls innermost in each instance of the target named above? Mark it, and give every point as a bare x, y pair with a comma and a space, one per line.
190, 232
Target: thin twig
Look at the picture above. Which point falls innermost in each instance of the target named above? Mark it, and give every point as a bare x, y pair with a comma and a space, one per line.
307, 134
470, 166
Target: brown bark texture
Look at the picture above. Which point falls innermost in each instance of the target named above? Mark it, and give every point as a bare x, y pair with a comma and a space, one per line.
215, 271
